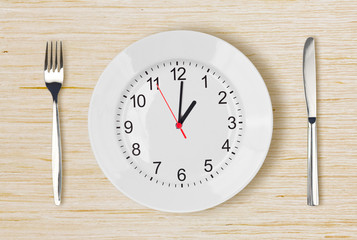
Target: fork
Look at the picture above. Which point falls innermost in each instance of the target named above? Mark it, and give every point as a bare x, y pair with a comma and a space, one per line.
53, 74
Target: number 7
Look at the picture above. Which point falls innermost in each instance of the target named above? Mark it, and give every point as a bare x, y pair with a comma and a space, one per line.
157, 167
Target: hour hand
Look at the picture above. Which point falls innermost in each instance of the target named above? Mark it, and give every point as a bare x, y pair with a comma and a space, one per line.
189, 109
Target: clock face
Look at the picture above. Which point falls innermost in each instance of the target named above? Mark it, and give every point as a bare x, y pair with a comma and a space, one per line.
179, 123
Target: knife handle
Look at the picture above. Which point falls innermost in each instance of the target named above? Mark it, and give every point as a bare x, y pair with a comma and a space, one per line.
312, 178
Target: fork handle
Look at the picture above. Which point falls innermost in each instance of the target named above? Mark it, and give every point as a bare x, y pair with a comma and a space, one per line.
56, 155
312, 178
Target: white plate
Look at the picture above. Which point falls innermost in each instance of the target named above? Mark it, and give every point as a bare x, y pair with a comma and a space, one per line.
187, 47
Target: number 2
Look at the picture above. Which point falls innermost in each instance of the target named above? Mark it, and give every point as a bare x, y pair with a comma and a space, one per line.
224, 96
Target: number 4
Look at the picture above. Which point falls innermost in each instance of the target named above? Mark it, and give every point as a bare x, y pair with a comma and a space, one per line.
226, 145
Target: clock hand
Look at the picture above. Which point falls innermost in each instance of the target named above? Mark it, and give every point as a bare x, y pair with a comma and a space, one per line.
189, 109
178, 125
180, 102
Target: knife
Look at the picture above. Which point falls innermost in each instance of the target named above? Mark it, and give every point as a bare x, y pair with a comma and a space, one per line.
309, 73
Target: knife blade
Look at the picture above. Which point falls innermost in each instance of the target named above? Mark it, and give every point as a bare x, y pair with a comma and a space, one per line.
309, 72
309, 75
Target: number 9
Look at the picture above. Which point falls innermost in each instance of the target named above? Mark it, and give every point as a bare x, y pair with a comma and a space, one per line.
128, 126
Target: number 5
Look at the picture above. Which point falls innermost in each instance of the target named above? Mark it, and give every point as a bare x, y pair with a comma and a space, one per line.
208, 165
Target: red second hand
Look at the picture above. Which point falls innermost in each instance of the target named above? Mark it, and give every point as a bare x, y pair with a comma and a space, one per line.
178, 125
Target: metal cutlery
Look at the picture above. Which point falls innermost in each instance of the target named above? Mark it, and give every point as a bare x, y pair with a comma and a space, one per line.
309, 73
53, 74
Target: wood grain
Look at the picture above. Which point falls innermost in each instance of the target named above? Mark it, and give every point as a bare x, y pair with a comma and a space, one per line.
271, 33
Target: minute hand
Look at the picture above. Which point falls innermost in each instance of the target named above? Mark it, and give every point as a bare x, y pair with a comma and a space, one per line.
189, 109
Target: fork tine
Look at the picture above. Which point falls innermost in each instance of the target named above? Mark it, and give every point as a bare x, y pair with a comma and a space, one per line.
46, 57
61, 56
50, 66
55, 68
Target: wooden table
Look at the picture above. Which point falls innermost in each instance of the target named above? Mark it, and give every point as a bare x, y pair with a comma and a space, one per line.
270, 33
